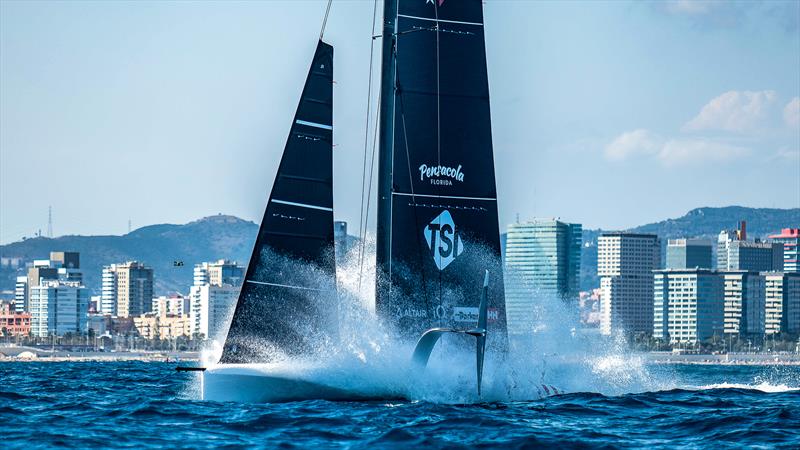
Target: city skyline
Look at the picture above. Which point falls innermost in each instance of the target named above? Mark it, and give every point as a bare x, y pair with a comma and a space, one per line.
704, 99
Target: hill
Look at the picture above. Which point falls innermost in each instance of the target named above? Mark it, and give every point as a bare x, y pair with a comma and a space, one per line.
158, 246
229, 237
698, 223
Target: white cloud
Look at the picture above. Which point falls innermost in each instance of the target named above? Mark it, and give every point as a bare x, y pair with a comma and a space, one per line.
671, 152
689, 7
737, 111
785, 154
791, 113
632, 143
693, 151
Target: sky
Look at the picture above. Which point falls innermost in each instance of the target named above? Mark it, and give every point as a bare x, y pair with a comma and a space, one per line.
609, 114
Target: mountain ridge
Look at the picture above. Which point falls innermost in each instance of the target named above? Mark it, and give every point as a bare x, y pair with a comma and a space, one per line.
229, 237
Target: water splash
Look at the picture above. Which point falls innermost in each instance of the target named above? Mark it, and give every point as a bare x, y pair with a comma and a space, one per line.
368, 360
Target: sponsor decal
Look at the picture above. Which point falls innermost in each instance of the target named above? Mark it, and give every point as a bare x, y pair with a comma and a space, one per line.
431, 2
415, 313
441, 175
469, 314
443, 240
465, 314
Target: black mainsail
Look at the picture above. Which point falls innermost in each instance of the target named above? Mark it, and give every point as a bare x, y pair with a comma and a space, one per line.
288, 300
437, 200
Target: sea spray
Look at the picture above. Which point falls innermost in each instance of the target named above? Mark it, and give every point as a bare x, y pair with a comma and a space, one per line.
368, 359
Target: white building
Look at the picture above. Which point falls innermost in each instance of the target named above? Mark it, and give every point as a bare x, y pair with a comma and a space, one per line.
212, 309
58, 307
625, 264
126, 289
745, 303
688, 305
21, 295
782, 302
176, 305
218, 273
213, 297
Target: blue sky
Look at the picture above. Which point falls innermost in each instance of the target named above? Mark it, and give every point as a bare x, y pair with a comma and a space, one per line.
611, 114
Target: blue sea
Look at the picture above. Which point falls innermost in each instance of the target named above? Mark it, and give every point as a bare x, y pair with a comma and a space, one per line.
149, 405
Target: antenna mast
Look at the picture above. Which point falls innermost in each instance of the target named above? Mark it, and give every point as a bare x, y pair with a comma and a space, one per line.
50, 222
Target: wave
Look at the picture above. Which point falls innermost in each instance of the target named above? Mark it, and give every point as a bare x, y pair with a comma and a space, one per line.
763, 387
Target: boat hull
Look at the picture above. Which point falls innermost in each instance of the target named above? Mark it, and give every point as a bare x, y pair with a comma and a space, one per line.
258, 384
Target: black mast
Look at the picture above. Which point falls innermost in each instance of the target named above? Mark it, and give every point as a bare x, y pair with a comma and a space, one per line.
383, 241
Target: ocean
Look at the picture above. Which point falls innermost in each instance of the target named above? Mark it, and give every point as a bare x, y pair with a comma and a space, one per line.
149, 405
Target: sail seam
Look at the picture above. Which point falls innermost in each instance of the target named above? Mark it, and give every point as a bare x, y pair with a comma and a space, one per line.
488, 199
313, 124
302, 205
440, 20
286, 286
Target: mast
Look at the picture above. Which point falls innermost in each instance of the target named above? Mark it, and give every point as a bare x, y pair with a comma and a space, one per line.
383, 242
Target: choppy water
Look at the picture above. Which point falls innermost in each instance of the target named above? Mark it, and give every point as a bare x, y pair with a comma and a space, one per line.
137, 405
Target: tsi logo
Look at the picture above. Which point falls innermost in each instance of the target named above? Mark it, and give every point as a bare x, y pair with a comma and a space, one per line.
443, 239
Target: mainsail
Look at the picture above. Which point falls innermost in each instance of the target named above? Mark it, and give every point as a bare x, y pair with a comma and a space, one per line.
437, 200
287, 304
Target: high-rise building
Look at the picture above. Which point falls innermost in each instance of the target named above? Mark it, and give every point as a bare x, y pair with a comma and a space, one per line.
745, 303
21, 294
213, 297
42, 270
127, 289
58, 307
735, 252
61, 265
688, 305
689, 254
790, 239
212, 309
218, 273
542, 261
625, 264
782, 302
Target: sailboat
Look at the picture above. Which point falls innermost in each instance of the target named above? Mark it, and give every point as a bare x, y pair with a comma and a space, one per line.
438, 270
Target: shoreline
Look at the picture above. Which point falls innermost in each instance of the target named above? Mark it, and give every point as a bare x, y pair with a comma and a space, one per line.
27, 354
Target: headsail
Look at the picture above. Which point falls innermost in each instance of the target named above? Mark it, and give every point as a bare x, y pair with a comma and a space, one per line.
437, 207
288, 299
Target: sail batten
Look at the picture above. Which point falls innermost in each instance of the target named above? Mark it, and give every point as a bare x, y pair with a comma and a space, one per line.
288, 301
438, 226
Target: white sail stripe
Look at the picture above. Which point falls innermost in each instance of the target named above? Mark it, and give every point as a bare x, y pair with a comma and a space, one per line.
440, 20
445, 196
313, 124
285, 285
302, 205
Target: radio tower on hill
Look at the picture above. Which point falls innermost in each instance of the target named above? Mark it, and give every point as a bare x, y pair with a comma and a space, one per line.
50, 222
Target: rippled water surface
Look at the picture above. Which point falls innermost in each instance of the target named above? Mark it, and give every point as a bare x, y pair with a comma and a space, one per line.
136, 405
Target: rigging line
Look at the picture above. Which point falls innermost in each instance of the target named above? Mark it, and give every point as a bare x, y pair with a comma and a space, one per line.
420, 256
362, 222
369, 186
438, 113
438, 91
325, 20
